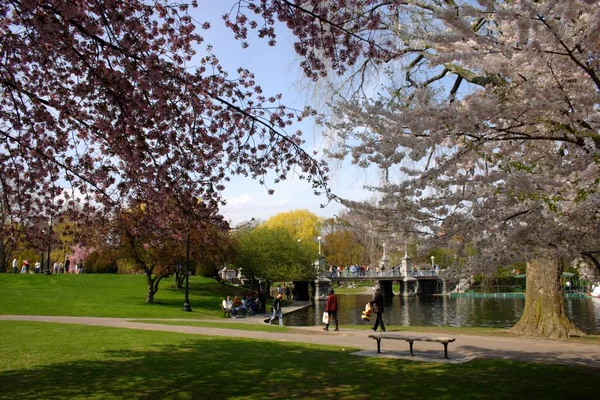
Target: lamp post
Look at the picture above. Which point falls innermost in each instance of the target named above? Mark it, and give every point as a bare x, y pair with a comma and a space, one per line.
49, 240
319, 240
432, 260
186, 302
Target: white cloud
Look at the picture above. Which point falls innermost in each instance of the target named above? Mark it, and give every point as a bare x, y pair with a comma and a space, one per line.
276, 203
240, 201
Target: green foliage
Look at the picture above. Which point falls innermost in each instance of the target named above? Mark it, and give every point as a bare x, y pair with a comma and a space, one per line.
504, 279
343, 248
273, 254
126, 266
108, 295
32, 255
90, 261
301, 224
444, 257
102, 261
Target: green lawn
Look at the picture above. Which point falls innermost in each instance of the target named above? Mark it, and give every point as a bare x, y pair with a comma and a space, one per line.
43, 360
108, 295
111, 295
356, 290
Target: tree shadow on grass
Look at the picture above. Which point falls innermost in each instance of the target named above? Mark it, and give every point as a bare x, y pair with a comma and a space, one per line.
217, 368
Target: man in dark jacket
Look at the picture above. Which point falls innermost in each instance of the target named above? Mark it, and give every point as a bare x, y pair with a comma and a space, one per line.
377, 307
331, 309
277, 312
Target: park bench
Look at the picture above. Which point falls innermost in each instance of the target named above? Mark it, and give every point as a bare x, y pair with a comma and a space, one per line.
226, 313
411, 339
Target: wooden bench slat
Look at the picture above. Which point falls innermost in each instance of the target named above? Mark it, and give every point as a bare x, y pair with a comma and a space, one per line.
402, 337
411, 340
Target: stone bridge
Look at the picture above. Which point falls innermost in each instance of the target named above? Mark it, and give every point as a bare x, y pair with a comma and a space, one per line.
412, 282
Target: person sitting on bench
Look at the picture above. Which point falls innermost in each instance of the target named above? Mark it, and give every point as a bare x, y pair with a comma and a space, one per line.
228, 306
239, 306
252, 304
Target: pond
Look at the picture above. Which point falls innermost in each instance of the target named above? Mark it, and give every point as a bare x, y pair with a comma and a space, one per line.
445, 311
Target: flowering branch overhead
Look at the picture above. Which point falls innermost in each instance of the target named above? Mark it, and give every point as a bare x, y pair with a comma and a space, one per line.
100, 98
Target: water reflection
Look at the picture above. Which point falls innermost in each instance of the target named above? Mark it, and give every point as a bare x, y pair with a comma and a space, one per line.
444, 311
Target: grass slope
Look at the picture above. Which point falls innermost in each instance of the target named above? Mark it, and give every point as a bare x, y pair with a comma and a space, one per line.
108, 296
74, 362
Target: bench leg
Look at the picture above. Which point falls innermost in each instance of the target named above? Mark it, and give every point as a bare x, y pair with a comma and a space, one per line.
445, 350
411, 347
378, 346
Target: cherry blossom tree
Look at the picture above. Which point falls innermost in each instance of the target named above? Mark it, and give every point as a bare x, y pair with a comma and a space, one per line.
9, 236
105, 104
485, 122
152, 237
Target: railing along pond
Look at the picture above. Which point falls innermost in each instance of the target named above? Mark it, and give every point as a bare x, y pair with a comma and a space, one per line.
392, 273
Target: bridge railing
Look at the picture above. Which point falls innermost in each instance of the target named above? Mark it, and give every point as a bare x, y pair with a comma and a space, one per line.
426, 272
392, 273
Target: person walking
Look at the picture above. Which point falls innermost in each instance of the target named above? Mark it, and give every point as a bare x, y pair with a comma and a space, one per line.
67, 264
331, 309
15, 265
377, 307
277, 310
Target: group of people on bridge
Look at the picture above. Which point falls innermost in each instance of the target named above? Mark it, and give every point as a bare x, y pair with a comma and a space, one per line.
349, 271
364, 271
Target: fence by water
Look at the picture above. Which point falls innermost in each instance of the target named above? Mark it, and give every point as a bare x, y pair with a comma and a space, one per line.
515, 295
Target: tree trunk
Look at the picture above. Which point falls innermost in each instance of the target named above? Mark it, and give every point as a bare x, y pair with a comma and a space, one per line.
545, 314
150, 295
152, 289
179, 278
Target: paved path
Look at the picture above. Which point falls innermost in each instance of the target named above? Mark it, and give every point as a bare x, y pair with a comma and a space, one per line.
466, 346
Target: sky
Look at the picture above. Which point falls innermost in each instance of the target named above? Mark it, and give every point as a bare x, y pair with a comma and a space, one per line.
276, 70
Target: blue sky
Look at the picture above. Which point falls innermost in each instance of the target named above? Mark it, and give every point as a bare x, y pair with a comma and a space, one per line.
276, 71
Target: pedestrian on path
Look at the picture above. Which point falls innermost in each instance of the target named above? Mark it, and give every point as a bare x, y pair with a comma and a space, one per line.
377, 307
277, 312
331, 309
